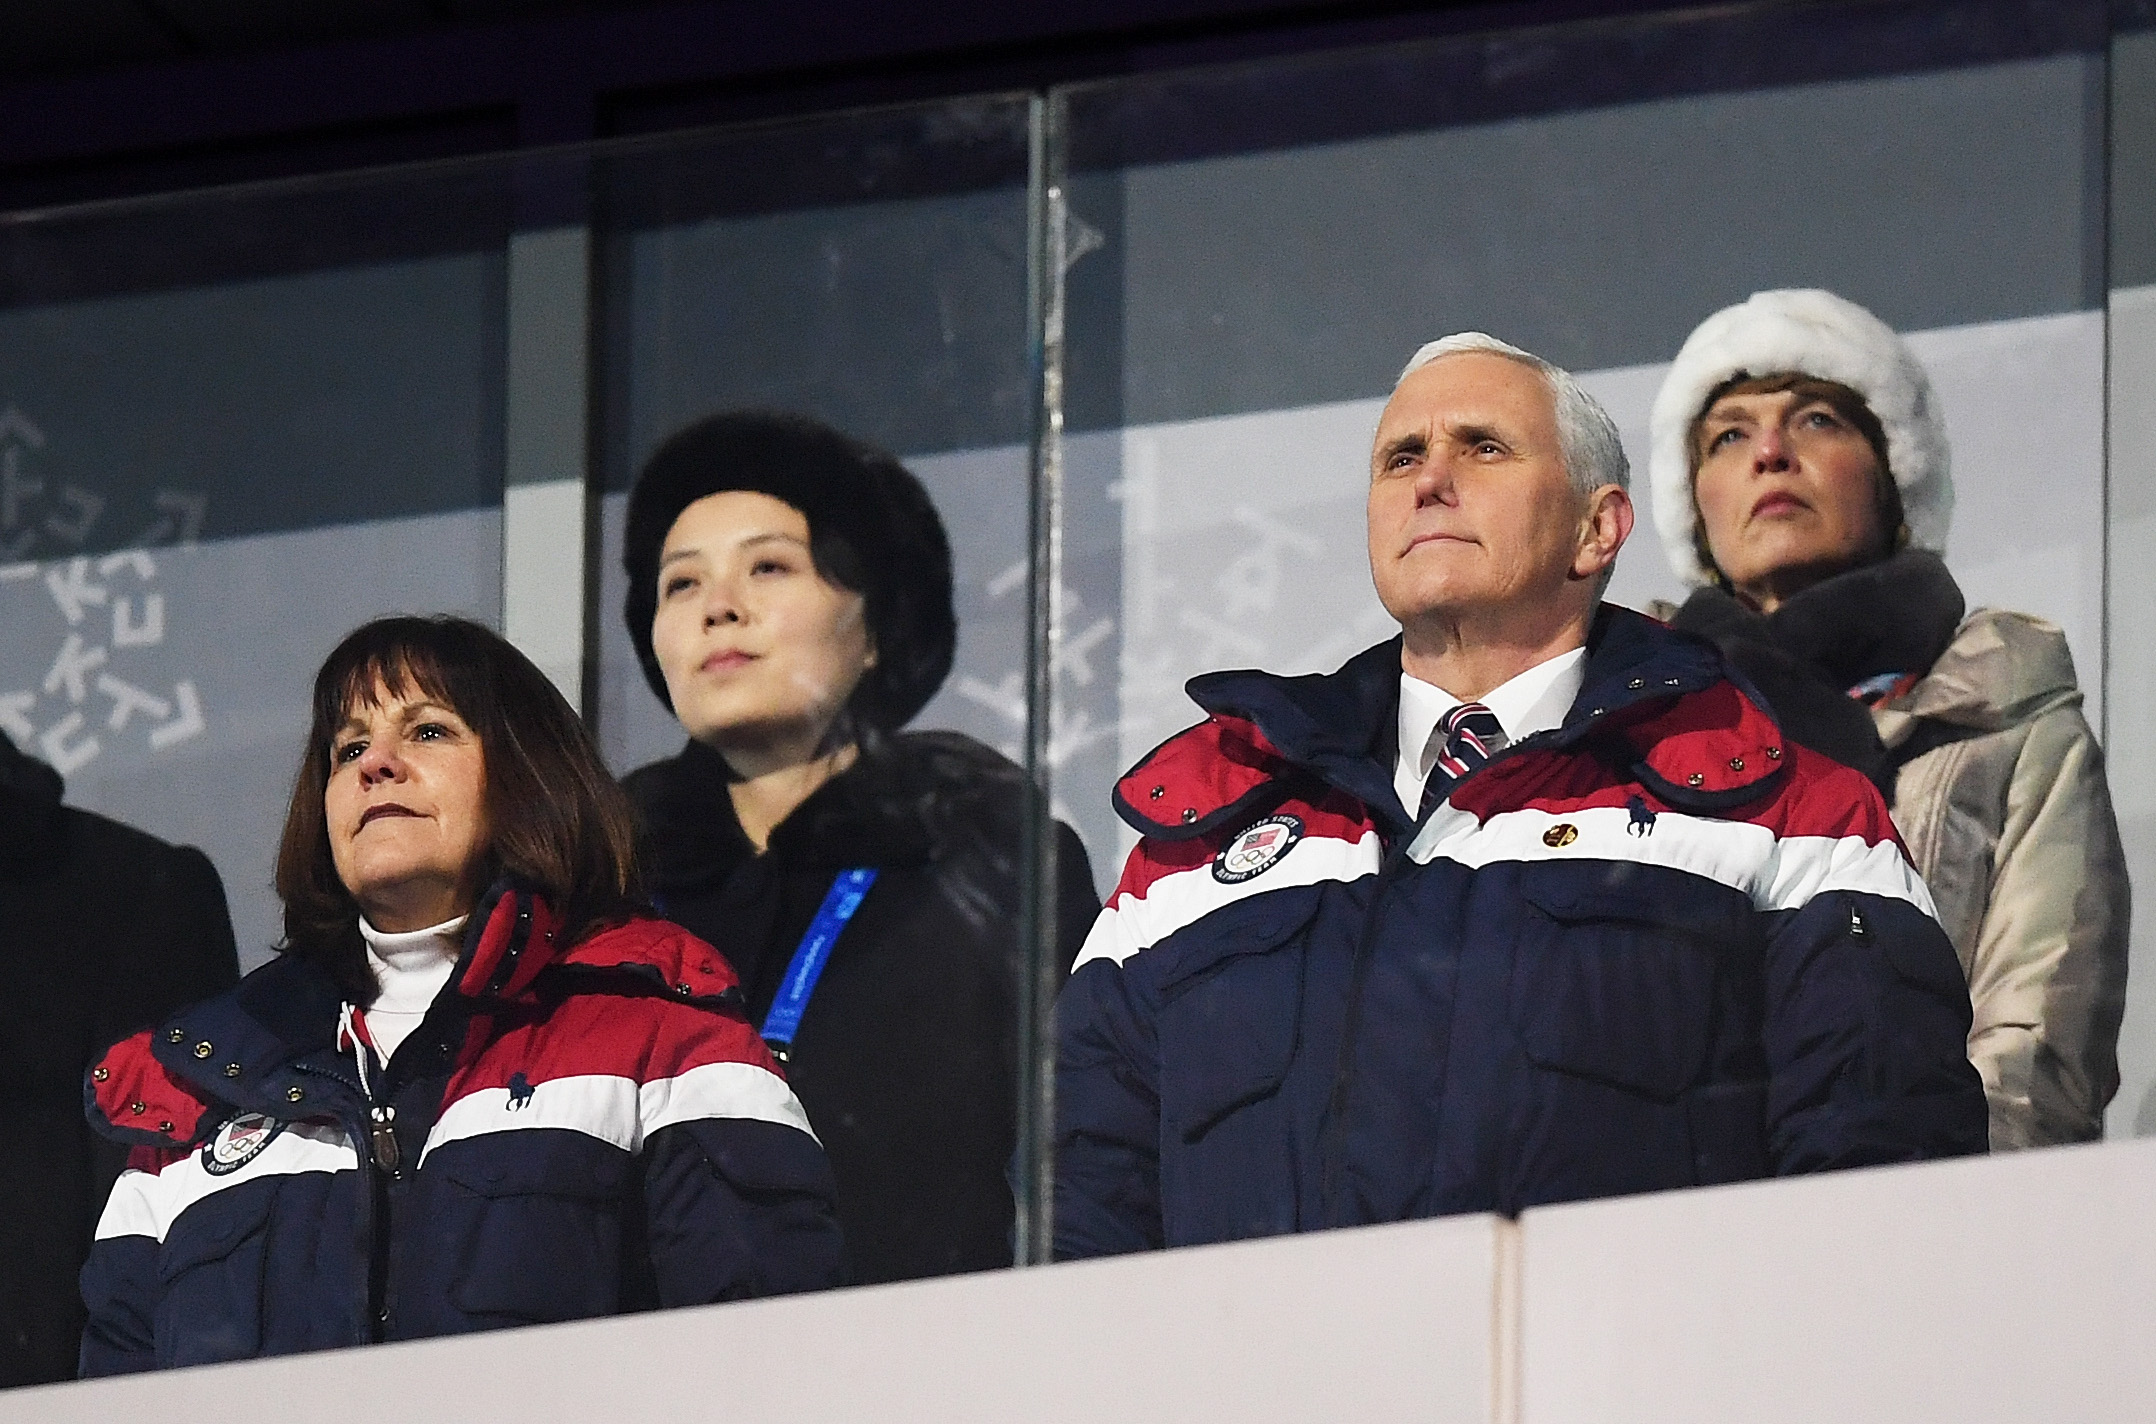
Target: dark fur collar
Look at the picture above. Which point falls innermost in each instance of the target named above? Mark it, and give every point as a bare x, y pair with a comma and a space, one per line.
1896, 616
908, 799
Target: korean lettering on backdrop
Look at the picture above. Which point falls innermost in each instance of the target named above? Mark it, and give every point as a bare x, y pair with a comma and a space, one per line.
99, 609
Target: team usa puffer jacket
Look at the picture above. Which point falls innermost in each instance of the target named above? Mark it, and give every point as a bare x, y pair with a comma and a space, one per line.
1654, 947
572, 1131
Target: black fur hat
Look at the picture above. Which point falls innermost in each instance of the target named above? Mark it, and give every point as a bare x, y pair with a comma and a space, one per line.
872, 529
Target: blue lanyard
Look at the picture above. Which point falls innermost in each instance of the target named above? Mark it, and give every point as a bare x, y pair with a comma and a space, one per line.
810, 957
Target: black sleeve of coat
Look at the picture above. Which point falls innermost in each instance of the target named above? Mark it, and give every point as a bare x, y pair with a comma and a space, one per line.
1077, 903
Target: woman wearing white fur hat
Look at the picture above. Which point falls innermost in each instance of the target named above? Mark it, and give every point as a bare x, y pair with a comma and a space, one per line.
1800, 481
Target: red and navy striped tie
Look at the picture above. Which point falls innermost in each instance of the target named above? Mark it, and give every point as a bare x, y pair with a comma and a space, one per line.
1472, 736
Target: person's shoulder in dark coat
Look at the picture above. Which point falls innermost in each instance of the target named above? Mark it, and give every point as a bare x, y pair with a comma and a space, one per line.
103, 929
974, 802
962, 798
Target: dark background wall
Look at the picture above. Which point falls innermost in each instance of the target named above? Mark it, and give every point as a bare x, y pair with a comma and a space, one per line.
109, 98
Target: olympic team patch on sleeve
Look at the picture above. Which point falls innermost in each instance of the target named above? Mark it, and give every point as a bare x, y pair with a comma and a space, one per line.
239, 1142
1257, 849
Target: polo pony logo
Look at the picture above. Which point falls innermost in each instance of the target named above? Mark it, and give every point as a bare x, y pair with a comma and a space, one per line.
1642, 816
520, 1092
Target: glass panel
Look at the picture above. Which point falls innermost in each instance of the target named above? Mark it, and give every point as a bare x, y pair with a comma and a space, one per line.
868, 272
232, 427
1272, 244
2130, 732
1258, 250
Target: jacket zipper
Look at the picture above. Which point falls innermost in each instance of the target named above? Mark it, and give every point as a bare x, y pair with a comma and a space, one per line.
1331, 1143
376, 1182
1331, 1146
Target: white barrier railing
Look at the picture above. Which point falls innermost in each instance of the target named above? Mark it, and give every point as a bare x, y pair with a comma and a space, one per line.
2015, 1288
2018, 1288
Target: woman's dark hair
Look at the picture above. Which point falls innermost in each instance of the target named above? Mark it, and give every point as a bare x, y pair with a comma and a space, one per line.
872, 530
1844, 402
557, 822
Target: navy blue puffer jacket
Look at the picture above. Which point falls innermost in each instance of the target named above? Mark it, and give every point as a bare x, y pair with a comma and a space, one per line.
577, 1130
1654, 947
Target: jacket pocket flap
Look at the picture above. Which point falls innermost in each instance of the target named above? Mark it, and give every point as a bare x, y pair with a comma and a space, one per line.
1614, 976
213, 1228
1231, 1011
545, 1162
535, 1234
1256, 925
761, 1158
1572, 892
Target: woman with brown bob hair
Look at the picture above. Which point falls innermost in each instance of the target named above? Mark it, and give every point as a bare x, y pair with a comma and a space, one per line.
558, 822
479, 1087
1802, 485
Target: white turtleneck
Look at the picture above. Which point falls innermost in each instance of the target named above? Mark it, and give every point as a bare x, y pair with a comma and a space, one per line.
409, 972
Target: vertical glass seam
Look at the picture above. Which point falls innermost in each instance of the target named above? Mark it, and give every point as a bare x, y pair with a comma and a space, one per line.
594, 472
2107, 132
1039, 930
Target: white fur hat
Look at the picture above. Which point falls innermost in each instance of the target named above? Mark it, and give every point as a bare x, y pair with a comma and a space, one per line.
1820, 335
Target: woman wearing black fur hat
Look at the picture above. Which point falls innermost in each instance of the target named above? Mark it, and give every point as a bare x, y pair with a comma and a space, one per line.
790, 599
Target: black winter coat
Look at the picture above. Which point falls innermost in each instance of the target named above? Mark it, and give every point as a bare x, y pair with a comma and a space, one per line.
103, 930
907, 1057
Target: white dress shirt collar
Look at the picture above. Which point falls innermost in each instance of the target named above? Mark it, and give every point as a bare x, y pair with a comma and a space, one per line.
1529, 702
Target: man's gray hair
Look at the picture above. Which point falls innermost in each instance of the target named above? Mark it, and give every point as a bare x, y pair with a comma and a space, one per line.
1586, 436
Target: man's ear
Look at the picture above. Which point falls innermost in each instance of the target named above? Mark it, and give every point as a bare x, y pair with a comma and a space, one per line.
1603, 531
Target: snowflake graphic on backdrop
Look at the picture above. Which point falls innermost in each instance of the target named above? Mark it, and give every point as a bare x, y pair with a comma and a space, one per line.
1073, 726
103, 610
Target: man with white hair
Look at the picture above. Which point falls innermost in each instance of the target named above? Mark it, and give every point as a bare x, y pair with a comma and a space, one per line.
1532, 903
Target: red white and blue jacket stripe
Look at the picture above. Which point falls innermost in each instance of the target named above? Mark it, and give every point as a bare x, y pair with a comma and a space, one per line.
1657, 946
579, 1129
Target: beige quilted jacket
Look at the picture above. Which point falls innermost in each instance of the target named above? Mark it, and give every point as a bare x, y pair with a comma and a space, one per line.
2012, 829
